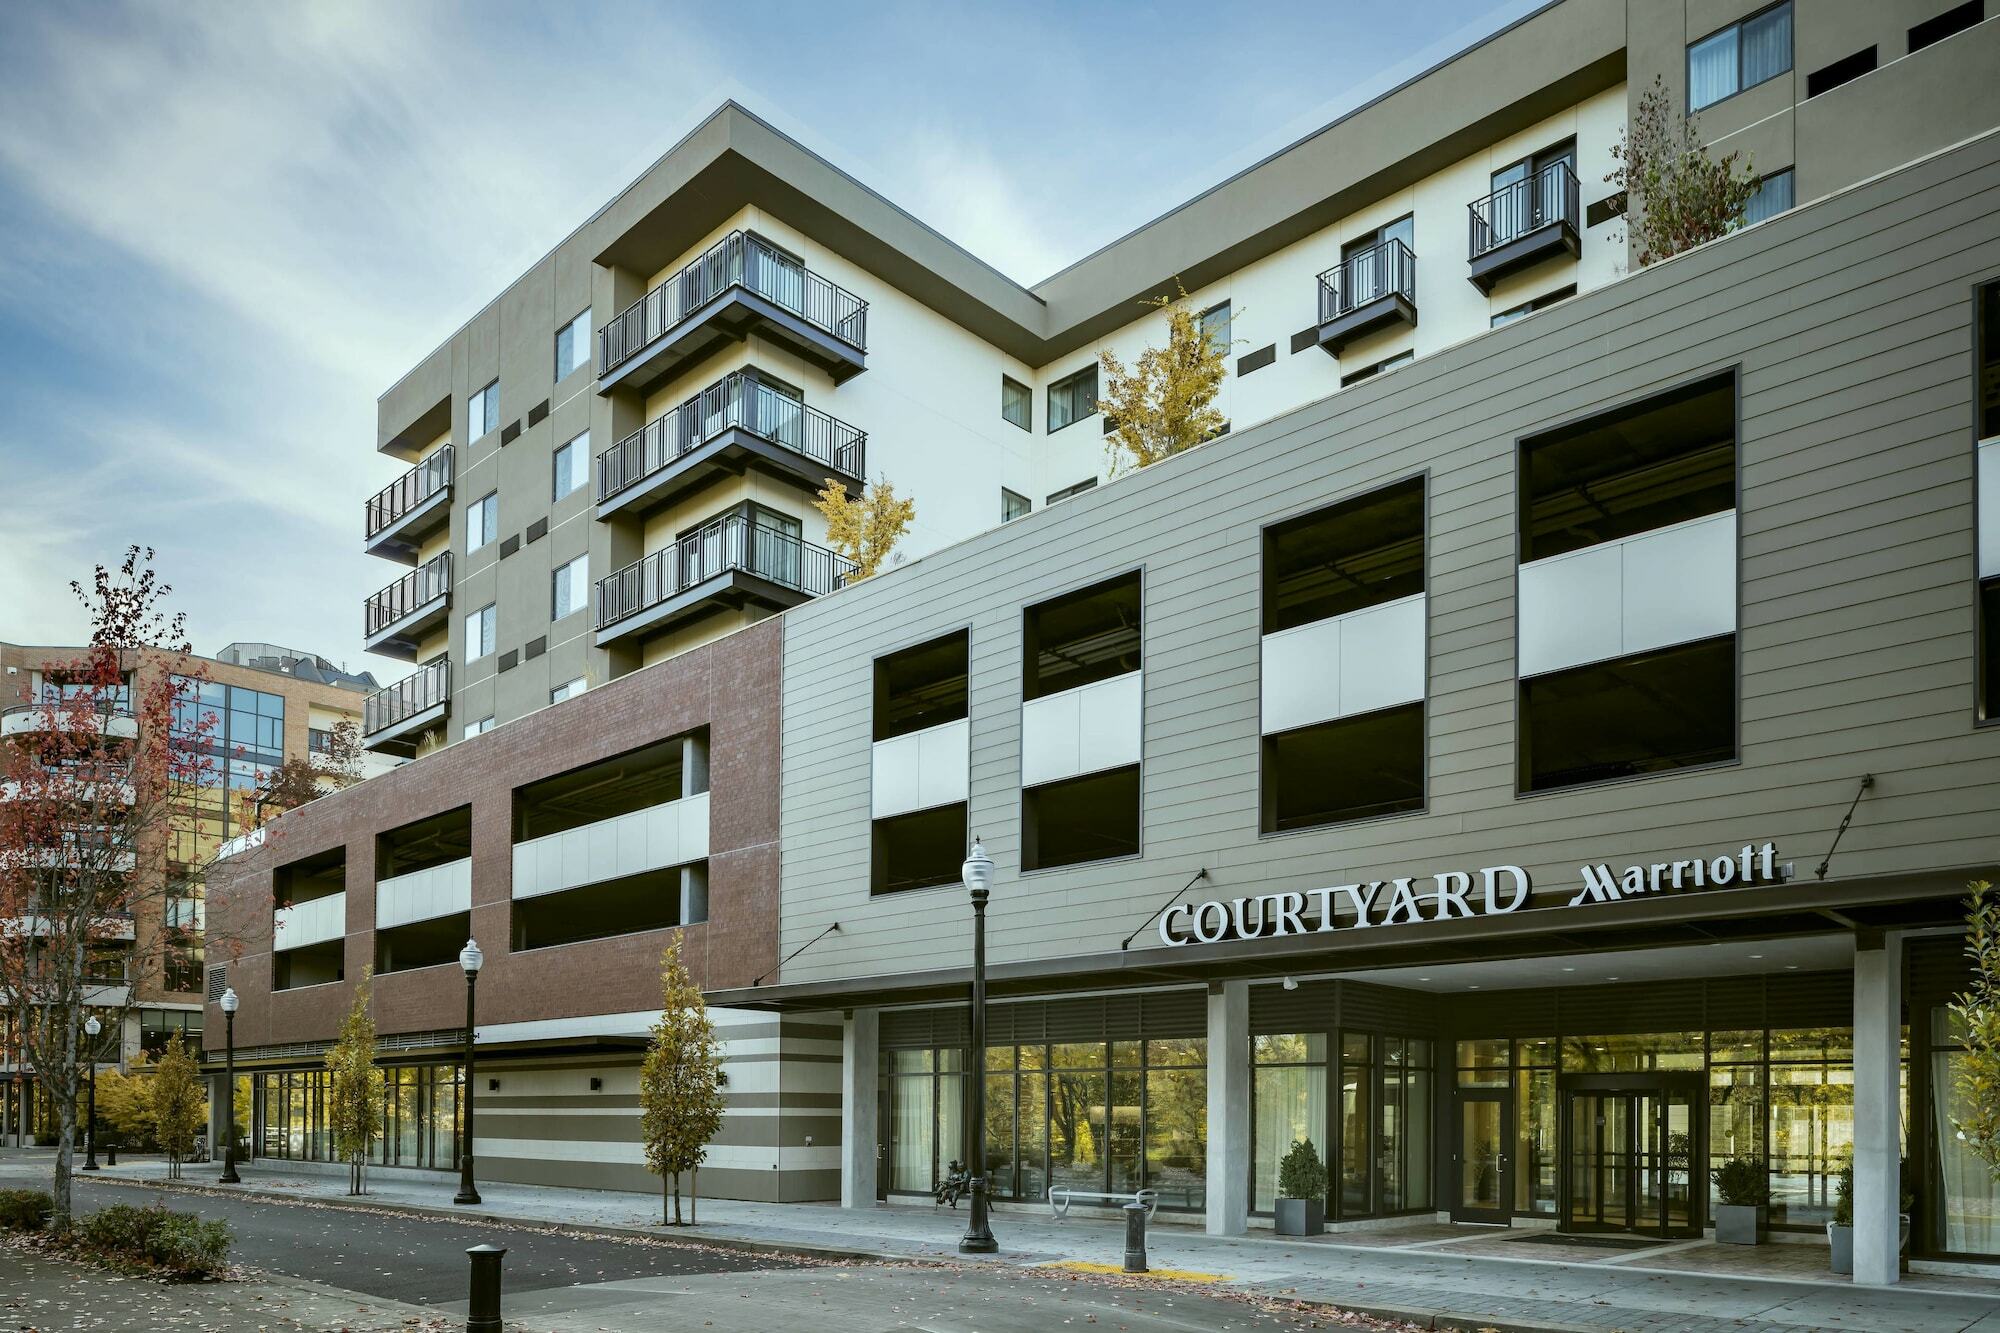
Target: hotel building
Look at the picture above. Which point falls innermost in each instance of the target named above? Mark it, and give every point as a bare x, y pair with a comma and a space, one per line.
1536, 754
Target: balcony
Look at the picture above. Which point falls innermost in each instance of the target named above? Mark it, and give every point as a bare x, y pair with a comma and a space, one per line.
1371, 290
398, 617
734, 424
394, 719
742, 284
1523, 224
410, 508
728, 564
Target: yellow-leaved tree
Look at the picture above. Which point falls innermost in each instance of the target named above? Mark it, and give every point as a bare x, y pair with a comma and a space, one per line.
1977, 1010
864, 528
680, 1086
179, 1104
354, 1087
1166, 401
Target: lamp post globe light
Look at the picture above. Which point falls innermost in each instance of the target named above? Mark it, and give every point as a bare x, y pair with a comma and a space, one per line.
977, 872
229, 1003
91, 1028
469, 958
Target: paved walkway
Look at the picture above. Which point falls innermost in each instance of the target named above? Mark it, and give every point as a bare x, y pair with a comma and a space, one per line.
1436, 1276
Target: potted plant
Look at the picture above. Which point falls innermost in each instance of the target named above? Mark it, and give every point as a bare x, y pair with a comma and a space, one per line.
1301, 1192
1840, 1231
1742, 1190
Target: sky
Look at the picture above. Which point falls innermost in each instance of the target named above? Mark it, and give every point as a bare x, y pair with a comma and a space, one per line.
226, 228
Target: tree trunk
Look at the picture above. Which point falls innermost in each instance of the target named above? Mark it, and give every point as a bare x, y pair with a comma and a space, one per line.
677, 1199
665, 1191
694, 1192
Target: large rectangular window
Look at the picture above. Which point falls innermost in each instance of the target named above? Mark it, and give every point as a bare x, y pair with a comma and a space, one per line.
921, 687
573, 345
1740, 56
921, 763
1072, 398
570, 588
1084, 636
1091, 818
572, 466
482, 521
483, 411
1627, 591
481, 631
1987, 467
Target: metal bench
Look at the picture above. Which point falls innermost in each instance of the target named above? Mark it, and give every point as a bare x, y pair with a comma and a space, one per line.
1062, 1196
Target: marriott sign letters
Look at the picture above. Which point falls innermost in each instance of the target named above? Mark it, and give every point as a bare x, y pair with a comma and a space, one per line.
1493, 891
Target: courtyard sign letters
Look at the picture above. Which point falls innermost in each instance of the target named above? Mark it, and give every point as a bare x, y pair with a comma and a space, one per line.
1492, 891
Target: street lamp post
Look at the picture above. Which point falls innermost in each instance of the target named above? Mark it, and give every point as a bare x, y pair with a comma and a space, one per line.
91, 1027
229, 1003
977, 873
470, 959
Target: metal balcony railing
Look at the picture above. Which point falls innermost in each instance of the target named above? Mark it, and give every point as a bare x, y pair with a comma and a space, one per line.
408, 491
426, 687
1512, 211
737, 401
733, 543
426, 583
737, 260
1367, 275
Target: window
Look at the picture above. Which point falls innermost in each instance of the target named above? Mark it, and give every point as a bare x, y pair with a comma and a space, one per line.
1740, 56
1017, 403
482, 521
1213, 324
1073, 398
572, 588
157, 1025
917, 689
568, 690
1986, 334
481, 627
1091, 818
1661, 693
1081, 637
1353, 555
483, 411
1542, 302
923, 849
921, 687
572, 466
1371, 268
484, 724
1014, 506
573, 345
1370, 372
1066, 492
1528, 194
1844, 70
1954, 20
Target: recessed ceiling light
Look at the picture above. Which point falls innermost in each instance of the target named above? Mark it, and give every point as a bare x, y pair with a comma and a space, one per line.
1569, 969
1756, 955
1611, 978
1423, 978
1791, 967
1472, 988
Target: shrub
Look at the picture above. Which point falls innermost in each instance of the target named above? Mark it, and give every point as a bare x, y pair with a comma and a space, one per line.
1302, 1175
179, 1244
25, 1210
1741, 1182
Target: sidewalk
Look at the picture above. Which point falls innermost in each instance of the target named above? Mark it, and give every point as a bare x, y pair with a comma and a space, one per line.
1436, 1276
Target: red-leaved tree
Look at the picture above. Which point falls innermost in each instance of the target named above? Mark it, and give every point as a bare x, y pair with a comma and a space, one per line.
100, 807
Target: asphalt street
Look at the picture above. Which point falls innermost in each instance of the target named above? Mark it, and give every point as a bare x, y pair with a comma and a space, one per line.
560, 1281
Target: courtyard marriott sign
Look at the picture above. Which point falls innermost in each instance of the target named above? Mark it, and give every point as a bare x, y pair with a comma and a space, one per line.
1492, 891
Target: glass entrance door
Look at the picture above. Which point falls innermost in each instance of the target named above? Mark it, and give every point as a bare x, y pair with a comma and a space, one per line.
1628, 1157
1482, 1190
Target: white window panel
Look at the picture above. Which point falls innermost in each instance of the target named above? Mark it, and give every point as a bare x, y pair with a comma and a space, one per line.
1989, 508
423, 895
313, 922
670, 834
1651, 590
1347, 664
922, 770
1085, 730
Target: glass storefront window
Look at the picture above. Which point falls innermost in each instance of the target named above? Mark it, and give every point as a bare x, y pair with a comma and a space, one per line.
1484, 1063
1177, 1135
419, 1116
1967, 1213
1812, 1137
1356, 1074
1535, 1152
1076, 1129
1632, 1052
1289, 1100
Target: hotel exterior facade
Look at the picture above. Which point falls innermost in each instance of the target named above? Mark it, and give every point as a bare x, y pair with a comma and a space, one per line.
1534, 776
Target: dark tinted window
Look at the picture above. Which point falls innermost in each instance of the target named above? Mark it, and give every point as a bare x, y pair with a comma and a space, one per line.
1090, 818
651, 775
1351, 768
1081, 637
1656, 463
1643, 714
921, 850
426, 843
921, 687
1351, 555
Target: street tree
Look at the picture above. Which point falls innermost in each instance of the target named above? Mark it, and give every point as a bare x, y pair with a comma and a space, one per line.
1676, 195
354, 1088
1977, 1009
178, 1103
680, 1086
103, 776
1165, 402
864, 528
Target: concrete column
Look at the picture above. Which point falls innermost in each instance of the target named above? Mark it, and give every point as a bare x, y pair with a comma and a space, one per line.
860, 1058
1228, 1108
1878, 1001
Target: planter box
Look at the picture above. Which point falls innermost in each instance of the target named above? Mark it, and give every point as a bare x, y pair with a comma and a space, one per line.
1840, 1240
1739, 1224
1301, 1217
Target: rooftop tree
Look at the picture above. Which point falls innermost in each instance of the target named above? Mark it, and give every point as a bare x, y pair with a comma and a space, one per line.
1166, 401
864, 528
1677, 196
100, 799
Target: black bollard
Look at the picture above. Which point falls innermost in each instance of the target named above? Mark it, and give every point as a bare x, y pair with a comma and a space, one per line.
1135, 1237
112, 1150
482, 1312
